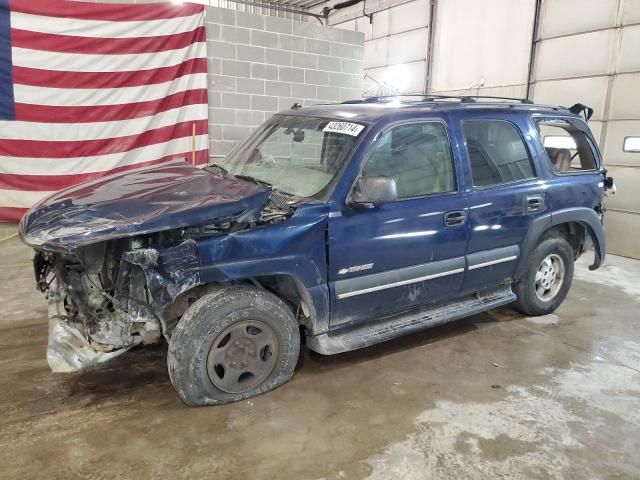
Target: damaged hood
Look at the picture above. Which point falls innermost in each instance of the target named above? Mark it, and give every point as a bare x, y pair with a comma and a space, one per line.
142, 201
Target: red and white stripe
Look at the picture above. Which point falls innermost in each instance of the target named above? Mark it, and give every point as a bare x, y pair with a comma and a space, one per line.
100, 88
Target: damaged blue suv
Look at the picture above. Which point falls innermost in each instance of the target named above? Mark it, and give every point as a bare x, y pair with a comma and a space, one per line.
337, 226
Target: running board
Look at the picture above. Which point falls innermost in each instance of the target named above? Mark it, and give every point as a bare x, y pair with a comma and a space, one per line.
353, 337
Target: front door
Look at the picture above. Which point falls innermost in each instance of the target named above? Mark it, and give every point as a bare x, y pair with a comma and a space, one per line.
409, 251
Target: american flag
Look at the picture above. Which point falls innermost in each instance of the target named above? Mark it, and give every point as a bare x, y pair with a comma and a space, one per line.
88, 89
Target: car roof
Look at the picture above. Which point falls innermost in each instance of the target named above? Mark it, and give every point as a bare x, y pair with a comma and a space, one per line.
371, 111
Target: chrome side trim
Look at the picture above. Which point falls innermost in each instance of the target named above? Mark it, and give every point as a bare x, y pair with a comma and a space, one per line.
493, 256
353, 293
493, 262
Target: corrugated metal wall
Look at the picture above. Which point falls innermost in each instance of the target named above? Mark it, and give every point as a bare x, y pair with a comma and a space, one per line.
478, 47
588, 51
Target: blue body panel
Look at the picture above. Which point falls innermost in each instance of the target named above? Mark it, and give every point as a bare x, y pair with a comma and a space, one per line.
294, 247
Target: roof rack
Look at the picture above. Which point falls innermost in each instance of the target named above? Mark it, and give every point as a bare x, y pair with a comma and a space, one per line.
427, 98
513, 99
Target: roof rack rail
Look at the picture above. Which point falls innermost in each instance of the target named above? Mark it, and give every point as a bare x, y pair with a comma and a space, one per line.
424, 97
490, 97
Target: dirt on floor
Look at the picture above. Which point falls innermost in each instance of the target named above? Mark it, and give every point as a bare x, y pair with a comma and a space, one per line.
494, 395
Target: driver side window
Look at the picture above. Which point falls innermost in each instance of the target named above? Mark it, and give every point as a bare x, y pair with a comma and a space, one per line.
417, 156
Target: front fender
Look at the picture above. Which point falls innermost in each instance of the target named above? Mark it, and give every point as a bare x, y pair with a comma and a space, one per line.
295, 247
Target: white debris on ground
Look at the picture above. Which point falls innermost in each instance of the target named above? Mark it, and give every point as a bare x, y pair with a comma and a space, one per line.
604, 385
550, 319
531, 428
538, 426
454, 440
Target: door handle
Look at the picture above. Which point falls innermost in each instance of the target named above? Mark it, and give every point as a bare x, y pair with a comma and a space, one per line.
533, 203
458, 217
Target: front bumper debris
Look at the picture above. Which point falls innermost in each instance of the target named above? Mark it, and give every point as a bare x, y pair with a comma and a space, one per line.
68, 350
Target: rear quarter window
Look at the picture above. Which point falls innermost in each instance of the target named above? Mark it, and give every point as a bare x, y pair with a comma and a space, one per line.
568, 149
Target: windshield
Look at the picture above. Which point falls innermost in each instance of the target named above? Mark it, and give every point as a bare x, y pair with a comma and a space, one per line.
298, 155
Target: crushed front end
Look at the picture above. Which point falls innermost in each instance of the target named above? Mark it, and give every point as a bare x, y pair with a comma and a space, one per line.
118, 258
108, 297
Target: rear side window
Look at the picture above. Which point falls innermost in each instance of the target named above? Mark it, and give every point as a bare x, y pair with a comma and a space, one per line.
497, 153
567, 147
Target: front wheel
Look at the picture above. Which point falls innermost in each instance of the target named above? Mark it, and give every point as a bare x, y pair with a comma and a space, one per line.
547, 277
234, 343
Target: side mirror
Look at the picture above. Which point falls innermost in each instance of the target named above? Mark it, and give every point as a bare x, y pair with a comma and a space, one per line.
372, 191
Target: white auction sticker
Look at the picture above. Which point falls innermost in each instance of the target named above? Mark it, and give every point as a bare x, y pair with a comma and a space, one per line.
348, 128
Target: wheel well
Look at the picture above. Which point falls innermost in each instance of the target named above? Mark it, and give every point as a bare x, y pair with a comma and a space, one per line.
574, 233
293, 292
286, 287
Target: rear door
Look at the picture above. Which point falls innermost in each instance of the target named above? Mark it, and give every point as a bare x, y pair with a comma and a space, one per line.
406, 252
504, 195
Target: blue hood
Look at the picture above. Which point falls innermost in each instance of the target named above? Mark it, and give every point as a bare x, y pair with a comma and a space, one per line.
141, 201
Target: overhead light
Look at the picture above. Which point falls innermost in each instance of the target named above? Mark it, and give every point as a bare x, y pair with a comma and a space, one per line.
397, 77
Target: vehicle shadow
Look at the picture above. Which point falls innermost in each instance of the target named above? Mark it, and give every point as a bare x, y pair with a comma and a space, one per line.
135, 370
145, 367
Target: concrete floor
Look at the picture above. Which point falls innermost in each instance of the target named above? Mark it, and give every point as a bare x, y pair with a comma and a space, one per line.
495, 395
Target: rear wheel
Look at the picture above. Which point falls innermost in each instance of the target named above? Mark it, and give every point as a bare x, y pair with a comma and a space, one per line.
233, 344
547, 277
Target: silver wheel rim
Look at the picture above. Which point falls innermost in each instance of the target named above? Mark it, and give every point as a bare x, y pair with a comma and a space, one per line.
242, 356
549, 277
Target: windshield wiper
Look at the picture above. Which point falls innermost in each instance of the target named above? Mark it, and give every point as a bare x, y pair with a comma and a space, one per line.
253, 179
224, 171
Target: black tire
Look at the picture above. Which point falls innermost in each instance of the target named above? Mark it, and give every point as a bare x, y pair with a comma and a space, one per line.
199, 329
528, 301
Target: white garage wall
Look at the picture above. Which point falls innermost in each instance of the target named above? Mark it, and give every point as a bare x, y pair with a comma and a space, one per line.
482, 47
396, 43
588, 51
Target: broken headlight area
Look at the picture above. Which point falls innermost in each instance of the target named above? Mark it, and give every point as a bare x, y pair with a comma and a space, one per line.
109, 297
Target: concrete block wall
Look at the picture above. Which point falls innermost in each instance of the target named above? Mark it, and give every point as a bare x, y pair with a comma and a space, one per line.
259, 65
